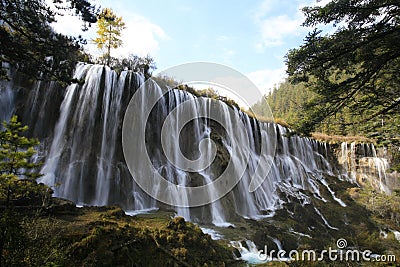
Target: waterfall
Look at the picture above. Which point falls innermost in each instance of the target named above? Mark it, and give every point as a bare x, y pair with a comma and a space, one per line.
6, 101
80, 164
84, 159
348, 161
250, 253
215, 235
7, 96
361, 164
296, 165
381, 165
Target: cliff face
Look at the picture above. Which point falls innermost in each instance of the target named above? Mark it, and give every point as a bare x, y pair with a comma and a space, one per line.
363, 164
80, 128
308, 199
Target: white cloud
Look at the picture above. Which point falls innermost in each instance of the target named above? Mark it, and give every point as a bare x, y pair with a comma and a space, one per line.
321, 2
266, 79
69, 25
140, 37
265, 7
275, 29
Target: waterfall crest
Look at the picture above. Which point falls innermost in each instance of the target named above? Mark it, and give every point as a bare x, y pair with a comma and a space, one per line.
84, 159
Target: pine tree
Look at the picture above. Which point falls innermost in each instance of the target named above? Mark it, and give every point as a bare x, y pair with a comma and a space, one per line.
16, 152
29, 43
109, 28
354, 68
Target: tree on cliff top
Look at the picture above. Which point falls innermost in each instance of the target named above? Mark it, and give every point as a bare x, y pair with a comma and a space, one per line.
355, 68
109, 28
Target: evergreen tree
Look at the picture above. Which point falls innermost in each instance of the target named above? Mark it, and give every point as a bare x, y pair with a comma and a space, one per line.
353, 69
16, 152
109, 28
17, 180
28, 42
290, 104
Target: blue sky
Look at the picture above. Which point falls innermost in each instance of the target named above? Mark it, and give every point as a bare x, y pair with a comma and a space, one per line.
249, 36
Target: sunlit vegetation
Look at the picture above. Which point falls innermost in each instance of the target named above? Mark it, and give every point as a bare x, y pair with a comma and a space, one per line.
342, 87
109, 28
352, 72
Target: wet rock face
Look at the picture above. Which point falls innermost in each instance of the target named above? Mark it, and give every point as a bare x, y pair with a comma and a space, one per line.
81, 127
365, 165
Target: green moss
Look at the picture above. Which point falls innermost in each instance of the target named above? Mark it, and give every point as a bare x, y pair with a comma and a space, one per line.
104, 236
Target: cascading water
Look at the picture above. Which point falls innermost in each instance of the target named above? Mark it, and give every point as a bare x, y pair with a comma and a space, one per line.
361, 164
85, 163
7, 96
80, 164
348, 161
324, 220
381, 165
6, 102
250, 253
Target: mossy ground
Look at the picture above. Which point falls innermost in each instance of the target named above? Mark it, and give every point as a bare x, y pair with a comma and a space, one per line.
63, 235
105, 236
